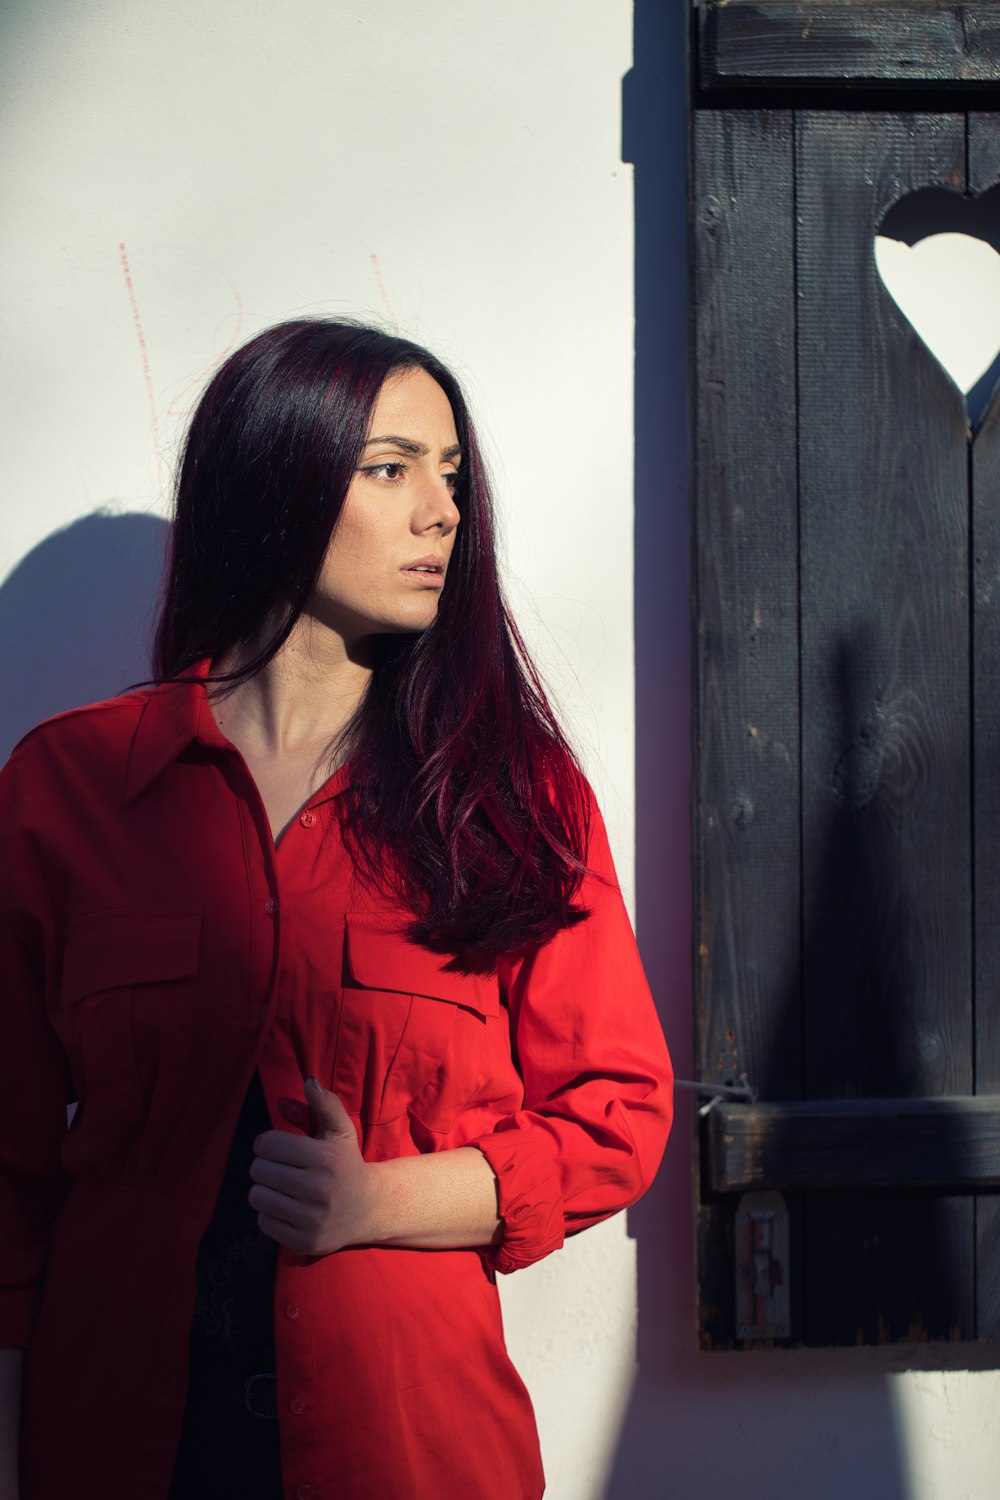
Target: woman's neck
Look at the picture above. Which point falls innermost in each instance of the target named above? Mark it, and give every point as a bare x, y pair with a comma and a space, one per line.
299, 705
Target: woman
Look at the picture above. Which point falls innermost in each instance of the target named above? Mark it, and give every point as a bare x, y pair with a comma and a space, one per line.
324, 936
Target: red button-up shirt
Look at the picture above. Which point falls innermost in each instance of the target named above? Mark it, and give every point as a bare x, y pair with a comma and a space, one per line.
156, 948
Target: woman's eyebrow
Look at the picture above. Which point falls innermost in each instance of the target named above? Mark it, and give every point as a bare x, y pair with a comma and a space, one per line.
418, 450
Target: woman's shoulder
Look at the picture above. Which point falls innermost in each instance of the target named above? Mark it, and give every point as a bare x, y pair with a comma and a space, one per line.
105, 729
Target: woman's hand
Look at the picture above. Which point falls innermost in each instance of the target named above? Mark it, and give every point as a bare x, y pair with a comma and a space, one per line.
318, 1194
314, 1194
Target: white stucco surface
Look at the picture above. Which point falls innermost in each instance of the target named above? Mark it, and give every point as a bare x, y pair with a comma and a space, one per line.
177, 176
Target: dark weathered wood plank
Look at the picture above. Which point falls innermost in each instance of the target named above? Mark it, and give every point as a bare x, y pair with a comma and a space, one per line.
885, 708
746, 675
984, 173
884, 634
854, 1143
896, 1278
758, 43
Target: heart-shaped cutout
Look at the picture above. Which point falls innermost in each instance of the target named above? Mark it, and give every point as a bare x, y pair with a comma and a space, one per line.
938, 254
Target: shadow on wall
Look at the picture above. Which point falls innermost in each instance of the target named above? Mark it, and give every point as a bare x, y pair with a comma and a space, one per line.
76, 618
782, 1425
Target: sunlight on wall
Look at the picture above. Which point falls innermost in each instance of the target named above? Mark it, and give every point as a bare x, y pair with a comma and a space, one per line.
950, 1423
184, 175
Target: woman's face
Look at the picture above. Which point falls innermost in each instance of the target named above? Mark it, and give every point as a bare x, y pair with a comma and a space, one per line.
386, 562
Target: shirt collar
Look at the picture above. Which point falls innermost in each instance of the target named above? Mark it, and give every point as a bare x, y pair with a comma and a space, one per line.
175, 713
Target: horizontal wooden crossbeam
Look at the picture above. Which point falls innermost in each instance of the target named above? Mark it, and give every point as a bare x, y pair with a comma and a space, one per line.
853, 1143
850, 43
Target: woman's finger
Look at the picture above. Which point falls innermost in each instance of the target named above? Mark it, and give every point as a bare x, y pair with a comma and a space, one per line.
283, 1146
276, 1174
277, 1229
291, 1211
333, 1120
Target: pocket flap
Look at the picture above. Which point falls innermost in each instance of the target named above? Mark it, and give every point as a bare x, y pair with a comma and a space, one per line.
378, 957
111, 949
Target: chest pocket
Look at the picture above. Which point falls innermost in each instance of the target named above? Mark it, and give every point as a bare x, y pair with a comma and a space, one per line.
412, 1035
127, 1010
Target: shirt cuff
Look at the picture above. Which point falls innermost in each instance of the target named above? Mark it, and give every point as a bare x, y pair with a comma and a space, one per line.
529, 1198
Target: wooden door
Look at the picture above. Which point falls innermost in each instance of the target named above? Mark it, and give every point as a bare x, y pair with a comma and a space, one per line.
847, 801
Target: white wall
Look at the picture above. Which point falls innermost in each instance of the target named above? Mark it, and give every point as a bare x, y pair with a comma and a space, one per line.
452, 168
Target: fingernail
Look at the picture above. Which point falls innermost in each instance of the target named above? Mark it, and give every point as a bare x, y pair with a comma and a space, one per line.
315, 1083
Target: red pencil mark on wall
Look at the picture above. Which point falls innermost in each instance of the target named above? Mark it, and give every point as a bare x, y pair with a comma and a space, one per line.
181, 407
384, 295
144, 356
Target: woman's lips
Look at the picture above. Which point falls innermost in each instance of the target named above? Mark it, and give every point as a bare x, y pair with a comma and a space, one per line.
427, 574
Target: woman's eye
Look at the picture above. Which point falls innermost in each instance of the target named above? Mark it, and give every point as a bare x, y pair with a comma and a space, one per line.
387, 473
393, 471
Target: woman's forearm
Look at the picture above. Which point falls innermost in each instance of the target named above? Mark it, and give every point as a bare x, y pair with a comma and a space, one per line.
442, 1201
11, 1365
317, 1194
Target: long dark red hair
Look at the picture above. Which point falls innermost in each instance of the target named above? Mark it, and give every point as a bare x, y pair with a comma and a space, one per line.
466, 803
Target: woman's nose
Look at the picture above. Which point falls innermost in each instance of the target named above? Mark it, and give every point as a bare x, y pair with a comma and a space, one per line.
437, 507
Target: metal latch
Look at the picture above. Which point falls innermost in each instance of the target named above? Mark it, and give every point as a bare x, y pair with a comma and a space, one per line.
763, 1305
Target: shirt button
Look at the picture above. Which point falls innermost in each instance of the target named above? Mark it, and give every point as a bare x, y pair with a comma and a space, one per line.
293, 1112
297, 1406
307, 819
303, 1492
271, 905
292, 1310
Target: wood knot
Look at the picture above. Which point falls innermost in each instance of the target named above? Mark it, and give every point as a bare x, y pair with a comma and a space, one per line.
741, 810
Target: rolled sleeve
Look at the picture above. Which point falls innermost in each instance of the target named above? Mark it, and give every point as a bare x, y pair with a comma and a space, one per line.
529, 1197
596, 1075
